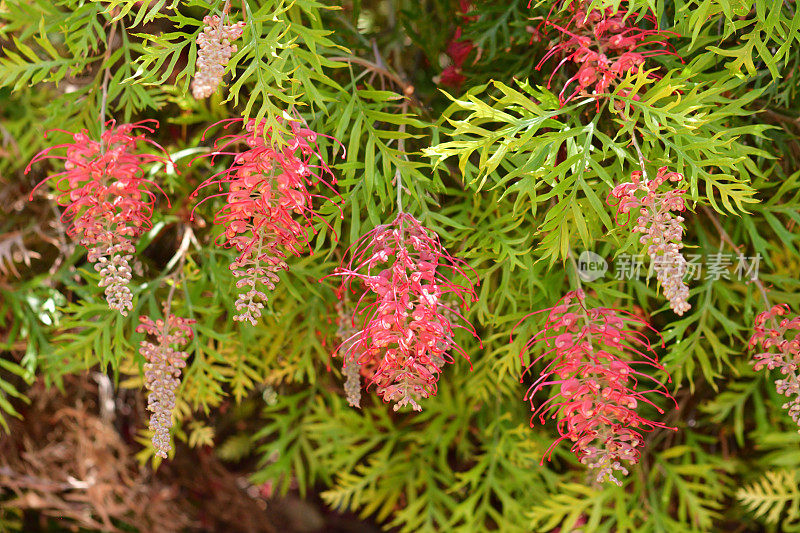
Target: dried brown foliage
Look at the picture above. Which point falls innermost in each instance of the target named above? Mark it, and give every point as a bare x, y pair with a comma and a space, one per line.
70, 460
14, 251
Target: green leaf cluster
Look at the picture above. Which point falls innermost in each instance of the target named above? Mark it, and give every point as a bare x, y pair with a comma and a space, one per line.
511, 181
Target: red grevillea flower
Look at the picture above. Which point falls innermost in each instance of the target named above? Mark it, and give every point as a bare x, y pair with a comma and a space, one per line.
592, 352
162, 372
108, 201
603, 47
780, 343
404, 328
662, 232
457, 51
268, 208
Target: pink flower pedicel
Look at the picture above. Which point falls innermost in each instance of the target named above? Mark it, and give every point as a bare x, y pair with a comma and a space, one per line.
403, 328
268, 209
781, 352
591, 353
108, 203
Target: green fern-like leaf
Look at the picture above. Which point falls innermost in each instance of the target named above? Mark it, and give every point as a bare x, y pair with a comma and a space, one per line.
775, 497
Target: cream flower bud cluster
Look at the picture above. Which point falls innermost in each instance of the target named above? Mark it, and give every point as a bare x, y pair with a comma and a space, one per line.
605, 463
215, 50
779, 345
352, 384
351, 368
162, 372
258, 266
112, 262
662, 232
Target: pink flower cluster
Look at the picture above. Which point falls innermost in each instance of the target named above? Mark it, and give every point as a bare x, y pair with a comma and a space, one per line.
214, 52
108, 201
457, 51
268, 208
404, 328
781, 352
162, 372
603, 47
592, 352
662, 232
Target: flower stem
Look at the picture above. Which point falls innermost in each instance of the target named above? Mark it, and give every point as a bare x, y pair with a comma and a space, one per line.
401, 145
639, 153
106, 79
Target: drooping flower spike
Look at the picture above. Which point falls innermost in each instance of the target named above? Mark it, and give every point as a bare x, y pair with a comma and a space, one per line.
214, 52
162, 371
268, 212
351, 368
593, 356
662, 233
603, 47
457, 50
779, 341
108, 201
404, 328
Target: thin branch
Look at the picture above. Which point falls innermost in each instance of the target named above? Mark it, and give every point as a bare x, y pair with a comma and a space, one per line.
571, 256
639, 154
373, 67
724, 237
106, 79
225, 9
401, 145
407, 88
177, 274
